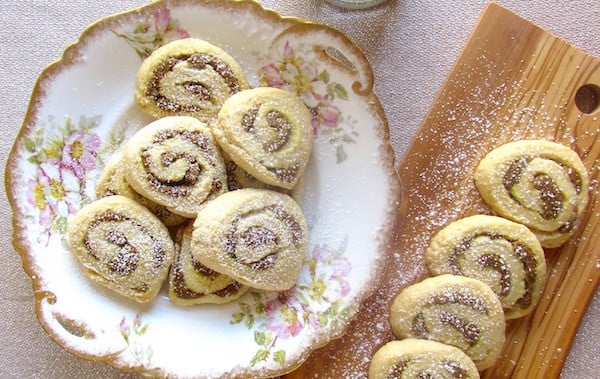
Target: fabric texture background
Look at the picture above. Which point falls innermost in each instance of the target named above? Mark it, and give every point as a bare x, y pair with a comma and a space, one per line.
411, 45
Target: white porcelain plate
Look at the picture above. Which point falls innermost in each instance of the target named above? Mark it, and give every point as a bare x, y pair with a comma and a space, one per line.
82, 111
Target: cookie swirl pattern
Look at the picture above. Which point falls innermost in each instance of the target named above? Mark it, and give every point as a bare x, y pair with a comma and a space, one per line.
238, 178
258, 237
503, 254
268, 133
122, 246
418, 358
190, 282
541, 184
175, 162
188, 77
455, 310
113, 182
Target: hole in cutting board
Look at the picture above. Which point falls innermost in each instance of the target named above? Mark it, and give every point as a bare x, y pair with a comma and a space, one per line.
587, 98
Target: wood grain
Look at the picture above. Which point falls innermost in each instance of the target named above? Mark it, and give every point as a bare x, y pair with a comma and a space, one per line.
513, 80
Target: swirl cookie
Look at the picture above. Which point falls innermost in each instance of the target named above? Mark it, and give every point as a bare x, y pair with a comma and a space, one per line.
503, 254
455, 310
175, 162
417, 358
190, 282
112, 182
268, 133
122, 246
258, 237
187, 77
541, 184
238, 178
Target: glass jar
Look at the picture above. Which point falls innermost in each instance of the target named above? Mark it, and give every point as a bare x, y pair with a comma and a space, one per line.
355, 4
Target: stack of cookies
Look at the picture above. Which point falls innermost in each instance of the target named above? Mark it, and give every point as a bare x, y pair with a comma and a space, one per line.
200, 196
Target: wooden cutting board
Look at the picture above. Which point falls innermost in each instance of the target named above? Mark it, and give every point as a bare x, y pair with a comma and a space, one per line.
513, 80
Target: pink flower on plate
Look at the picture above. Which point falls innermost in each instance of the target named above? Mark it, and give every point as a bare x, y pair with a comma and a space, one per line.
302, 77
149, 35
341, 269
79, 152
283, 316
162, 19
271, 75
332, 270
327, 115
37, 196
47, 194
124, 328
165, 28
296, 74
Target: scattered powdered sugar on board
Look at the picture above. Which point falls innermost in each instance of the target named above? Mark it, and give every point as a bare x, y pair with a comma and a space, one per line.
484, 106
491, 97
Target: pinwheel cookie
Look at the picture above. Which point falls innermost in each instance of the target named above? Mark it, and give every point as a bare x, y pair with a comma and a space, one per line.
190, 282
122, 246
541, 184
257, 237
187, 77
418, 358
112, 182
237, 178
175, 162
268, 133
503, 254
455, 310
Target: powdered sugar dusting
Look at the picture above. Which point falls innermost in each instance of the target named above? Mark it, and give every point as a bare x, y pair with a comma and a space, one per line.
488, 100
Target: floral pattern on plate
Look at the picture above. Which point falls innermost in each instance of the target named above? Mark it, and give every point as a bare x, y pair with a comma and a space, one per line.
152, 33
81, 112
296, 71
133, 332
62, 161
314, 302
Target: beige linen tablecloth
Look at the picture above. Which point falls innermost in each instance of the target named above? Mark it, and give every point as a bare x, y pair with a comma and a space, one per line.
411, 46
